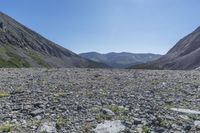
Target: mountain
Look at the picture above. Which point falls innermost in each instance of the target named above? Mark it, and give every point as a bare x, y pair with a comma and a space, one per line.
22, 47
185, 55
120, 60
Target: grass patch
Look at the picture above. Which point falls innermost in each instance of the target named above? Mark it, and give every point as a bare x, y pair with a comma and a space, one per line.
10, 59
87, 128
146, 129
120, 113
4, 94
168, 106
6, 127
38, 58
61, 122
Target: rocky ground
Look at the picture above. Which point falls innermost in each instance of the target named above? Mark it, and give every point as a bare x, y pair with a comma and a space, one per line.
99, 100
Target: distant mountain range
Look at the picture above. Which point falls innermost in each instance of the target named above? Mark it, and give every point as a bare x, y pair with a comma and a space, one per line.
120, 60
185, 55
22, 47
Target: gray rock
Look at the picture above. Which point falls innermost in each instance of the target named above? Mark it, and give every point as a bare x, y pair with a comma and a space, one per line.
197, 124
137, 121
48, 127
107, 112
110, 127
36, 112
188, 111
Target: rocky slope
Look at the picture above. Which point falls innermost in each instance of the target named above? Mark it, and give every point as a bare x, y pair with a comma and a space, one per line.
184, 55
120, 60
97, 100
22, 47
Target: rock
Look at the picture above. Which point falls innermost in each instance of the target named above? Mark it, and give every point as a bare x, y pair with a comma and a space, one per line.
139, 130
37, 112
90, 120
160, 130
1, 25
137, 121
79, 108
185, 117
188, 111
48, 127
38, 117
197, 124
24, 123
187, 127
110, 127
107, 112
127, 124
169, 101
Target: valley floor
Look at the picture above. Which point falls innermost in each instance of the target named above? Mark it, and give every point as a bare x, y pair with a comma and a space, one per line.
77, 100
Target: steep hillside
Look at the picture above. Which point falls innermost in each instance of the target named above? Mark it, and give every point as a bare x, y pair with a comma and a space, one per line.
185, 55
22, 47
120, 60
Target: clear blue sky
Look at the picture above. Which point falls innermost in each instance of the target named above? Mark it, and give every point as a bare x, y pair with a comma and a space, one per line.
140, 26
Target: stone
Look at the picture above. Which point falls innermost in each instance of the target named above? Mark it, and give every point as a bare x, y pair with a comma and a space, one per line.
139, 130
188, 111
187, 127
38, 117
197, 124
169, 101
1, 25
128, 124
48, 127
137, 121
107, 112
37, 112
185, 117
110, 127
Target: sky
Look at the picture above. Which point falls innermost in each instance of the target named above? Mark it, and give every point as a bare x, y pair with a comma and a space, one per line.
137, 26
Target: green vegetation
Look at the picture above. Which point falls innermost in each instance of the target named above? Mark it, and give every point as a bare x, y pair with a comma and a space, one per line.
60, 94
168, 106
4, 94
87, 128
166, 123
9, 58
6, 127
38, 58
145, 129
101, 117
120, 113
155, 82
103, 93
61, 122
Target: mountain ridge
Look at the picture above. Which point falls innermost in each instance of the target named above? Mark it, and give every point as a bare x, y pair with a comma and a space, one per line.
121, 59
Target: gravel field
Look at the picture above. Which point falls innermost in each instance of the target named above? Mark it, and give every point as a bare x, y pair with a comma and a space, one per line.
99, 100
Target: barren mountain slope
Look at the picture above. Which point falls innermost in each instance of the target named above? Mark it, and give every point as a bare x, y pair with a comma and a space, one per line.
22, 47
183, 56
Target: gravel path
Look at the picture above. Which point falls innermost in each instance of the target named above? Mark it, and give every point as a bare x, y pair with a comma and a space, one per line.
79, 100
